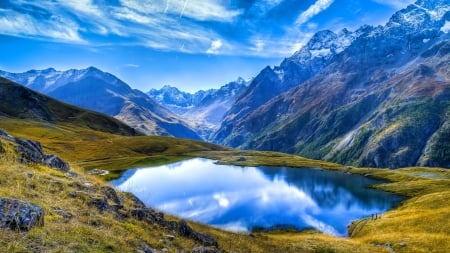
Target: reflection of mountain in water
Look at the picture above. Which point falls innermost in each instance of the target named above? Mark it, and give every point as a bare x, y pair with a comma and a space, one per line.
331, 188
242, 198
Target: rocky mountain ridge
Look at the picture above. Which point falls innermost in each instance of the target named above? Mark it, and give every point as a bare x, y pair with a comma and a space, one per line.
379, 99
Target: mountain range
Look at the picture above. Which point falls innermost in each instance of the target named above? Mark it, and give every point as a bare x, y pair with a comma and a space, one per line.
96, 90
18, 102
204, 108
379, 96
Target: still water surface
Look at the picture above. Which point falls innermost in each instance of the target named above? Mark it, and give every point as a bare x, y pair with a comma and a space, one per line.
243, 198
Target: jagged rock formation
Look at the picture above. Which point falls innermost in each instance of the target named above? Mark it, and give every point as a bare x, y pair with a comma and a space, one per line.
102, 92
379, 99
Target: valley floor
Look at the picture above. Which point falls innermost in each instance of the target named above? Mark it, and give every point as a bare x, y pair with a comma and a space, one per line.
419, 224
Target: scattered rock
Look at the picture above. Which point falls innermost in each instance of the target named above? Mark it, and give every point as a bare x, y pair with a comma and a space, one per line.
71, 174
111, 194
97, 172
402, 244
165, 250
186, 231
6, 136
145, 249
100, 202
21, 215
147, 214
203, 249
137, 202
169, 237
29, 174
171, 225
241, 159
1, 148
64, 214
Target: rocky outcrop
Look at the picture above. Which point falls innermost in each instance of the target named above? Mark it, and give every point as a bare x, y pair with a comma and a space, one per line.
186, 231
20, 215
106, 199
31, 152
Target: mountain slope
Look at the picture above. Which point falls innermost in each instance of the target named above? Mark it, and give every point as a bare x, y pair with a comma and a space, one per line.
269, 83
99, 91
19, 102
204, 108
383, 101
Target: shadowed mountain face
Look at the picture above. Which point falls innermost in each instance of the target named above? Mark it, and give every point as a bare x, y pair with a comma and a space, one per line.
99, 91
204, 108
19, 102
377, 97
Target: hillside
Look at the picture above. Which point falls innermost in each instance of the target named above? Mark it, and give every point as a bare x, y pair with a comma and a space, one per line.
19, 102
99, 91
72, 223
377, 97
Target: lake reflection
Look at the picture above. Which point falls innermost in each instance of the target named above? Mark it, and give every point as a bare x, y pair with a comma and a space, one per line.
242, 198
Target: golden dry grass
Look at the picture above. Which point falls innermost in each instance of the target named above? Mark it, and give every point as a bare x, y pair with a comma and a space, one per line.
419, 224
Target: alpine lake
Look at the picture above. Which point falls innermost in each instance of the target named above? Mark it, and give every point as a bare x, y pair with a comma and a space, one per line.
244, 199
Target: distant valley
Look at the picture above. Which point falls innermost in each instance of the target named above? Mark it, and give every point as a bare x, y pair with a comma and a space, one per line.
205, 109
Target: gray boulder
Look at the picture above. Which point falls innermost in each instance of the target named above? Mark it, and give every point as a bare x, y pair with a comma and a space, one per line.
31, 152
185, 230
20, 215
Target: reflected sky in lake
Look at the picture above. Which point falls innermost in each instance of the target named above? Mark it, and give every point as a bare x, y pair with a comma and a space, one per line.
242, 198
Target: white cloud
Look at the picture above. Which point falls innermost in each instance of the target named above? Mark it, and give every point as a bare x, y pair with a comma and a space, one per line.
130, 15
262, 7
395, 4
23, 25
212, 10
259, 46
215, 47
83, 6
316, 8
446, 27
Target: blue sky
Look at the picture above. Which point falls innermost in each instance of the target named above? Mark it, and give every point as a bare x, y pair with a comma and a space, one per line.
191, 44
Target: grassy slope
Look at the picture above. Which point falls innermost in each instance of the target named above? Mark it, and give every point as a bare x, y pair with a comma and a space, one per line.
421, 222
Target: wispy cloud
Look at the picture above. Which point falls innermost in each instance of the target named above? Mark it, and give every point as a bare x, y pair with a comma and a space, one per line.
395, 4
200, 10
313, 10
239, 27
263, 6
132, 65
24, 25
